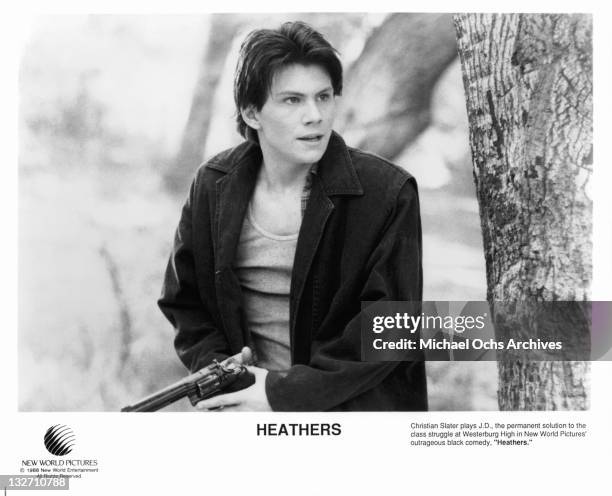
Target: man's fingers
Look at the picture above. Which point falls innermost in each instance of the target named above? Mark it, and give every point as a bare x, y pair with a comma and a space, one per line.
221, 401
246, 355
256, 371
233, 408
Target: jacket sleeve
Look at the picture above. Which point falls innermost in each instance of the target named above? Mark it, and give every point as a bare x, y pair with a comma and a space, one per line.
336, 373
198, 340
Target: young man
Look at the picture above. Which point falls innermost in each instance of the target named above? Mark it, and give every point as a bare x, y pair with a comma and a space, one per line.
284, 236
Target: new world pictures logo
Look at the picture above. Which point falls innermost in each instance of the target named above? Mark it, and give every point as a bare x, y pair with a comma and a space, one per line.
59, 440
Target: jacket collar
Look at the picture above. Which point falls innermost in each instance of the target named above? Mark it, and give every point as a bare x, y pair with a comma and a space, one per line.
335, 170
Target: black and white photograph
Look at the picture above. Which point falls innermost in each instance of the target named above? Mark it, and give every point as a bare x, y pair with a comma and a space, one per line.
252, 181
208, 203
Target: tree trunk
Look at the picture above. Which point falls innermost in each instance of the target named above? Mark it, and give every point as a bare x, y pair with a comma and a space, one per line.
528, 85
222, 31
388, 89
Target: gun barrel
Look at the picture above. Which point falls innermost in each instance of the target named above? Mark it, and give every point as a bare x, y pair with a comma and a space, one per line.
170, 394
161, 399
193, 386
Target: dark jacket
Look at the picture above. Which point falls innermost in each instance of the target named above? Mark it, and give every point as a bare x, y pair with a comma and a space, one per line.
360, 240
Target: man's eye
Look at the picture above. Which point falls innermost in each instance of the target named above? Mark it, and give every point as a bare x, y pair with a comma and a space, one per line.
292, 100
324, 97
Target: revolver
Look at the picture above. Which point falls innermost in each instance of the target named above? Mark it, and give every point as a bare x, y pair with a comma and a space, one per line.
206, 382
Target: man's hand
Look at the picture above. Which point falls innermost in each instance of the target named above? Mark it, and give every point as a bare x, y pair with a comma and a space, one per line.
250, 399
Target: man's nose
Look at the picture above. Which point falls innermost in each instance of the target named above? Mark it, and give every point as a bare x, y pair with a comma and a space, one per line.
312, 113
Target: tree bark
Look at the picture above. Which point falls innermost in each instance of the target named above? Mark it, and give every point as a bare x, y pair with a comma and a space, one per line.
222, 31
388, 89
528, 85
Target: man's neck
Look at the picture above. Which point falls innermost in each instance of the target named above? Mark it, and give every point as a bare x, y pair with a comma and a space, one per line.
276, 175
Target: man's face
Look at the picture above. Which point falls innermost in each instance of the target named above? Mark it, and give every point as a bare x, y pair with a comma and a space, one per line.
295, 123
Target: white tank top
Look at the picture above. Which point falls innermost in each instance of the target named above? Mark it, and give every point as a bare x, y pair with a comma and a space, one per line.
263, 264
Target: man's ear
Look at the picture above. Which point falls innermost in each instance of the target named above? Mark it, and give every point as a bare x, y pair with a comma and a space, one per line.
251, 117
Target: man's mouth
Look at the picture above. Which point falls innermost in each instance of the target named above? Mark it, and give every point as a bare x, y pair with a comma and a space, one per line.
311, 138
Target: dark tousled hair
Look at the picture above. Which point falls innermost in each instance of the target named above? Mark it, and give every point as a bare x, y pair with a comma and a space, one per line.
265, 51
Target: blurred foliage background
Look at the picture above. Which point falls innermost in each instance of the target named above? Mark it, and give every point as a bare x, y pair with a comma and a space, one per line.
117, 112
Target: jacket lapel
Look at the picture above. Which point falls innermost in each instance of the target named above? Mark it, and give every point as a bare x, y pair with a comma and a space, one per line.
313, 224
233, 192
335, 175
